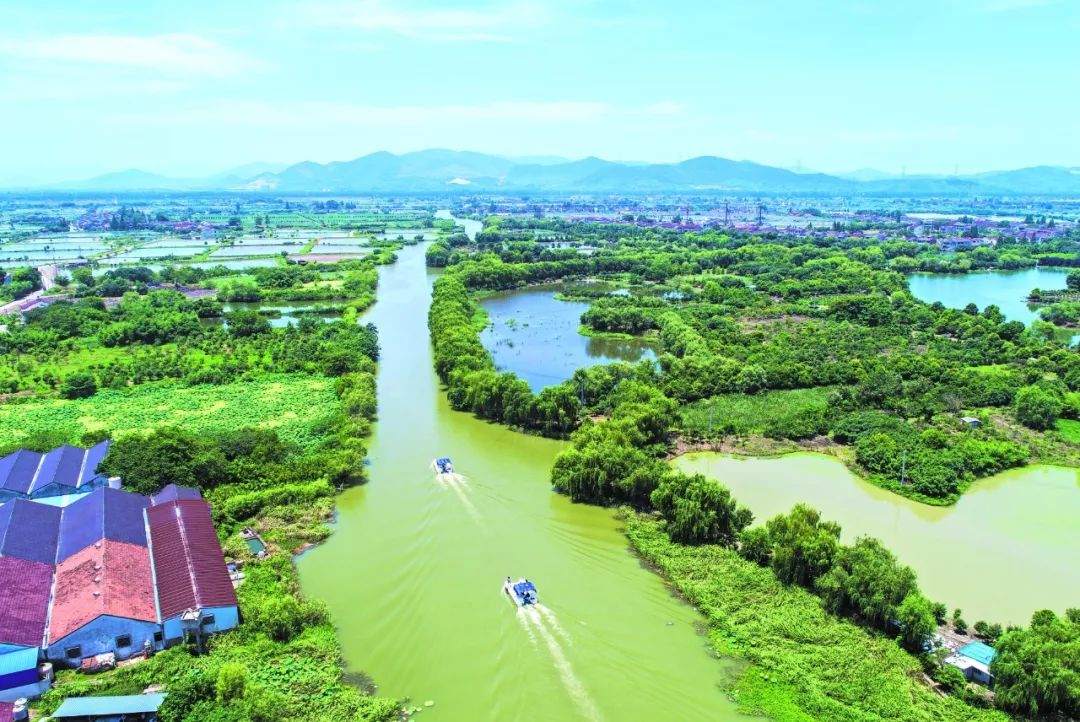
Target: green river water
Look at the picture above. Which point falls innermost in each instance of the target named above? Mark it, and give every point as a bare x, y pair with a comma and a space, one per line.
1011, 545
413, 571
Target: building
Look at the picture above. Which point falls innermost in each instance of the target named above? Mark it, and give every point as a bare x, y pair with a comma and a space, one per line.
973, 659
190, 573
105, 573
130, 708
65, 471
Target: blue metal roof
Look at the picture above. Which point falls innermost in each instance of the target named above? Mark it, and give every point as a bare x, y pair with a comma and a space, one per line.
17, 470
29, 530
102, 514
101, 706
25, 472
18, 661
978, 651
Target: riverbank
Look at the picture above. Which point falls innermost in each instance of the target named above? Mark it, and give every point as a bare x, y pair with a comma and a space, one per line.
989, 533
804, 664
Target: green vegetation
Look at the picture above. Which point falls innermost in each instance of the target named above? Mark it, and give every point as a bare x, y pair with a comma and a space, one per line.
282, 663
1038, 669
789, 339
805, 664
269, 423
291, 404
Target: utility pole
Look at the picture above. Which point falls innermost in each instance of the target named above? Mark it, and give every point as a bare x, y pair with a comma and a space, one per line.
727, 213
903, 468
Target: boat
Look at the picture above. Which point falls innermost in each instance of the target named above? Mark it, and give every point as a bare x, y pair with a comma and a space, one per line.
443, 465
522, 592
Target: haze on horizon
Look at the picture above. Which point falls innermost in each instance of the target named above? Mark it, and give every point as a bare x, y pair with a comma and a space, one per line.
934, 86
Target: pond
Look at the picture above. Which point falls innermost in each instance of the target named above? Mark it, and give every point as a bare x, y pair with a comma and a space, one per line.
413, 572
1010, 546
535, 335
280, 315
1007, 289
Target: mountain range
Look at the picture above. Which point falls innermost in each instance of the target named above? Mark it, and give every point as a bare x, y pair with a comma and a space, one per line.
446, 170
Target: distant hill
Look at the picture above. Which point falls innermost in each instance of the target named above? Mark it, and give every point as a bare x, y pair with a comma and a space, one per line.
441, 170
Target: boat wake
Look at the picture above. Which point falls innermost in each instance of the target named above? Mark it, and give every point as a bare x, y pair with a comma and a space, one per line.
541, 622
457, 484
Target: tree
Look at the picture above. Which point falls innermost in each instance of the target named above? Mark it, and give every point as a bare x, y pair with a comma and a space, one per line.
915, 616
866, 581
755, 546
699, 511
1072, 280
147, 462
1037, 670
246, 323
78, 385
803, 545
1037, 408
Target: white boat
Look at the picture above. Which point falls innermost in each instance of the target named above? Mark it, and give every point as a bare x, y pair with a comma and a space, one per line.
522, 592
443, 465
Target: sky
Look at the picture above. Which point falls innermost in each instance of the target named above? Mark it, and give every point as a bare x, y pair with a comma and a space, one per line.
198, 87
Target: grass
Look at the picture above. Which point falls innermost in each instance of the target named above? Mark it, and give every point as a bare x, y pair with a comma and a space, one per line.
1069, 430
291, 404
804, 664
748, 414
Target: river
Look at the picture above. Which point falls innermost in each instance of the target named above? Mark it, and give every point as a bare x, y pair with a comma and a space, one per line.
1009, 546
413, 571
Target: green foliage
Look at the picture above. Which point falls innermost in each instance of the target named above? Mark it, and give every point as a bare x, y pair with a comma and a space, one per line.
231, 682
917, 619
803, 545
78, 385
147, 462
290, 404
698, 510
804, 663
1037, 408
1037, 670
867, 582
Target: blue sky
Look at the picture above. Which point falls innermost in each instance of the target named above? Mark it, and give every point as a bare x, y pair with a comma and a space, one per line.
835, 85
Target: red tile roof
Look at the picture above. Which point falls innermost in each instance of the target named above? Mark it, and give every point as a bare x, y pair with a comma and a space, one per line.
108, 577
24, 600
188, 561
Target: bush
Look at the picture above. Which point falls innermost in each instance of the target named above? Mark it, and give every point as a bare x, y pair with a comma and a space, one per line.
78, 385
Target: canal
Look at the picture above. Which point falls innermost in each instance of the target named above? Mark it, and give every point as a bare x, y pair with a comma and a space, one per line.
413, 571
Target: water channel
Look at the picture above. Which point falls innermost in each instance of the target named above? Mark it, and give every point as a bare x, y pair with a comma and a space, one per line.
1009, 547
413, 571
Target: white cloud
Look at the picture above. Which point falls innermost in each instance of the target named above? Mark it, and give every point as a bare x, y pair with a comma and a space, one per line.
174, 53
493, 24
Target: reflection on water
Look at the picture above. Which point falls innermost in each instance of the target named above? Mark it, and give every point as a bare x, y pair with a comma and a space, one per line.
535, 335
1005, 289
1010, 546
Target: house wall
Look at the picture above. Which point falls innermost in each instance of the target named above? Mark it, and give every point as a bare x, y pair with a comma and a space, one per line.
99, 637
225, 618
19, 678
